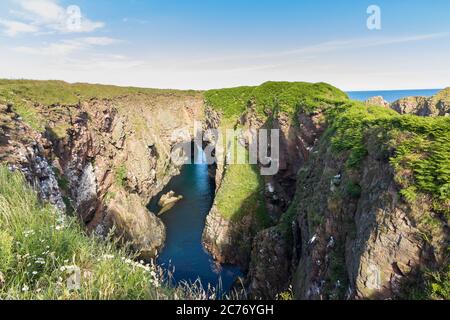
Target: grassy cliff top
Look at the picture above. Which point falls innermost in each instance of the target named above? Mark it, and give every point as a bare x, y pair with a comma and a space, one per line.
288, 97
60, 92
442, 96
421, 147
24, 95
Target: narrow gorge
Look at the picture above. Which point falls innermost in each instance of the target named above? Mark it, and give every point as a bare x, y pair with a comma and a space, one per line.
358, 210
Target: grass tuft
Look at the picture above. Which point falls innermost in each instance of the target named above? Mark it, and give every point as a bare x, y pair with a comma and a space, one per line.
40, 249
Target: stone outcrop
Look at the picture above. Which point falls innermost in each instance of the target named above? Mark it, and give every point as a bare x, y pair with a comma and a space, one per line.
377, 101
168, 201
229, 242
357, 246
270, 264
135, 225
438, 105
233, 242
108, 158
26, 150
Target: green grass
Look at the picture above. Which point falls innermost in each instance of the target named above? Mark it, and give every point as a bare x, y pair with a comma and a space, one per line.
59, 132
24, 94
421, 147
241, 193
273, 97
29, 115
438, 284
121, 175
63, 93
38, 245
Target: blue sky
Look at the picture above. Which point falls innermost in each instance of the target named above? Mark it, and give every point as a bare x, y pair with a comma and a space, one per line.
202, 44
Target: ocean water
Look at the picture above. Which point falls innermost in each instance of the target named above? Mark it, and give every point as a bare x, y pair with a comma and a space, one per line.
391, 96
185, 222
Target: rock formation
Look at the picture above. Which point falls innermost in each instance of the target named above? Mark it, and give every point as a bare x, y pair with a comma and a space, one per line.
377, 101
168, 201
352, 236
438, 105
105, 157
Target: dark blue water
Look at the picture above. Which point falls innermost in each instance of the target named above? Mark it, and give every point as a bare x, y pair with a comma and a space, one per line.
392, 95
185, 223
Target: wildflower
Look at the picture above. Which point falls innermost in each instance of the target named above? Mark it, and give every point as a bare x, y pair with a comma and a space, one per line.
25, 288
34, 273
28, 233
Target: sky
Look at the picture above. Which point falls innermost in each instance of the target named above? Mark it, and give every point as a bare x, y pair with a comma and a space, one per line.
204, 44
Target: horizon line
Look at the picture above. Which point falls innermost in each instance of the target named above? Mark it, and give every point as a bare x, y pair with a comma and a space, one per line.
230, 87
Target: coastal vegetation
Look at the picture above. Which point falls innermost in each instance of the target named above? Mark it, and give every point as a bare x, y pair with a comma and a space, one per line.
26, 95
242, 193
272, 97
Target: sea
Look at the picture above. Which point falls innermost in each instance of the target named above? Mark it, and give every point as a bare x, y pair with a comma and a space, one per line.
391, 95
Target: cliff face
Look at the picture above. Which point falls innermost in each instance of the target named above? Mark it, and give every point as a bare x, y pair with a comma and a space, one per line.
359, 239
438, 105
105, 158
357, 210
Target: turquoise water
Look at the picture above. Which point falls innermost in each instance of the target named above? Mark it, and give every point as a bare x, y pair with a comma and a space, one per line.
391, 96
185, 223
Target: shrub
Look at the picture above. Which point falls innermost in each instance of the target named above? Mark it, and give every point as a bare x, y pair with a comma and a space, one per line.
121, 175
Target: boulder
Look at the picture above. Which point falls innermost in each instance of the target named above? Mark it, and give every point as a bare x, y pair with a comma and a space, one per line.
377, 101
135, 225
168, 201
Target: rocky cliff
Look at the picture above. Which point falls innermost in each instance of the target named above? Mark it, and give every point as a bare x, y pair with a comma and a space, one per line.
438, 105
363, 213
104, 156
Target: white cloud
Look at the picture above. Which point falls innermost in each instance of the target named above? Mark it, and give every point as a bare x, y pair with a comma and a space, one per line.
66, 47
100, 41
13, 28
327, 47
48, 15
46, 10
